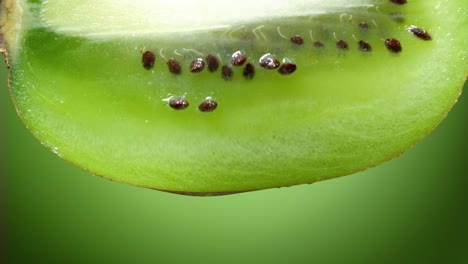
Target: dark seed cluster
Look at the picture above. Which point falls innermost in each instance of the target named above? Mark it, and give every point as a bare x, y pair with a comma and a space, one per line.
241, 60
180, 103
268, 61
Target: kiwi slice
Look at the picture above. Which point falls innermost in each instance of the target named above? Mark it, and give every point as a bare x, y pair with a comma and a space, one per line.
209, 97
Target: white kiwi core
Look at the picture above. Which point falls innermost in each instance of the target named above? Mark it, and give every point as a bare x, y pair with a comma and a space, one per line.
139, 17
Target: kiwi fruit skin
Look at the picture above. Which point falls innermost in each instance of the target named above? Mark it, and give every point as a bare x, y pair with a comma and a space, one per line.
329, 118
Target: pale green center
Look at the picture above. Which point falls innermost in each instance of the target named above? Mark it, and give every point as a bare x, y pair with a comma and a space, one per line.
138, 17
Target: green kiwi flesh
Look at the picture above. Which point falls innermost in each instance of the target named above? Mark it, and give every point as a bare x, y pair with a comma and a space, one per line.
352, 102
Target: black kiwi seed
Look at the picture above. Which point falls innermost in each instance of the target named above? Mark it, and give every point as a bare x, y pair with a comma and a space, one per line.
364, 25
287, 67
226, 72
197, 65
319, 44
174, 66
178, 103
364, 45
208, 105
398, 2
213, 63
148, 59
298, 40
238, 58
249, 71
269, 62
420, 33
341, 44
393, 45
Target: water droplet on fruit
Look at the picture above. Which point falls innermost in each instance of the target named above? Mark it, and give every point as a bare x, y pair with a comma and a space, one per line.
55, 150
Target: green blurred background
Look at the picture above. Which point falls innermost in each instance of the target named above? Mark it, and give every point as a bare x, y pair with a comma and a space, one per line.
413, 209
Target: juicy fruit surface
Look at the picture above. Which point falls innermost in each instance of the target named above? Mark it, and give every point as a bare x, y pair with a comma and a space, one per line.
88, 97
